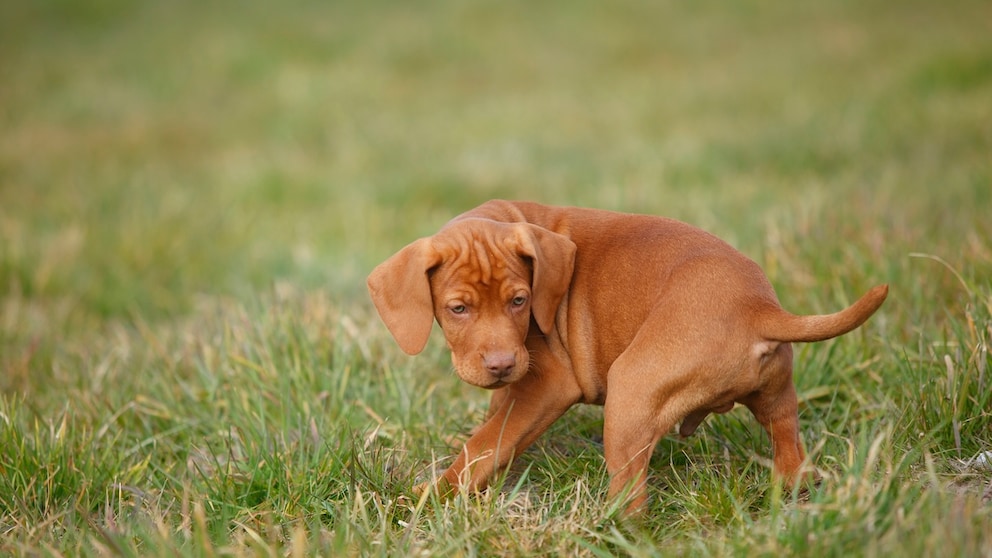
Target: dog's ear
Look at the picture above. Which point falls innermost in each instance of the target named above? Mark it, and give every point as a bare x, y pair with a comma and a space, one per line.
401, 292
553, 257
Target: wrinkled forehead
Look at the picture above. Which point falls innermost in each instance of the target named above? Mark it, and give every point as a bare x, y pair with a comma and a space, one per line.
481, 252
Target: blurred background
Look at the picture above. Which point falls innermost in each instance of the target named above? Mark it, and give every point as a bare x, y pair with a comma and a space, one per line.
156, 153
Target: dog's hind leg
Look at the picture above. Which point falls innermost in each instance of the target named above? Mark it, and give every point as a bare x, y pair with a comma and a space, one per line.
643, 403
776, 407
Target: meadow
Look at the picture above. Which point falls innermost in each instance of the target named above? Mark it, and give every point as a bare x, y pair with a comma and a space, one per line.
191, 196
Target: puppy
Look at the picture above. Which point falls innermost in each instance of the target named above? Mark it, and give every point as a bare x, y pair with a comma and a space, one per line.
656, 320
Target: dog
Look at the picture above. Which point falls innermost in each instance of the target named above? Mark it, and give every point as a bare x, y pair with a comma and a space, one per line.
656, 320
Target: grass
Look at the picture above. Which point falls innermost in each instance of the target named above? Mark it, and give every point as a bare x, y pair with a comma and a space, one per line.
191, 196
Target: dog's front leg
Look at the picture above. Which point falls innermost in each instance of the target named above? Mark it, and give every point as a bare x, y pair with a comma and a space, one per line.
523, 412
495, 402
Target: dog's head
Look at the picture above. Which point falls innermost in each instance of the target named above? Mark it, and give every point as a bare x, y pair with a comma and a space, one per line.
482, 280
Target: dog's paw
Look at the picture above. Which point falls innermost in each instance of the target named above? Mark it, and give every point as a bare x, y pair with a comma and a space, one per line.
419, 490
442, 489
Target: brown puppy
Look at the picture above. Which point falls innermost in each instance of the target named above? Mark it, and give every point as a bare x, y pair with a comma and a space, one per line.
552, 306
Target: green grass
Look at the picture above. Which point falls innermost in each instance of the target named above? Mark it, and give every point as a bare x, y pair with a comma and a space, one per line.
192, 194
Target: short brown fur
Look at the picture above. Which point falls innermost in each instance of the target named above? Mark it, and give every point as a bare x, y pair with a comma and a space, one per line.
657, 320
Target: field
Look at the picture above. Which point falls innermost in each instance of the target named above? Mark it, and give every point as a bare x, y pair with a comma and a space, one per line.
191, 196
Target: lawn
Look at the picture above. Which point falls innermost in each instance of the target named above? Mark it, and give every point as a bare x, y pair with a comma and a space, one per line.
191, 195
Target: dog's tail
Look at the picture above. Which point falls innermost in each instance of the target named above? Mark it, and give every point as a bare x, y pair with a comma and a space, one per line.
778, 325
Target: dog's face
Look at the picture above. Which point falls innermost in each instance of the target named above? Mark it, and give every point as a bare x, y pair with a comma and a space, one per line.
483, 281
482, 301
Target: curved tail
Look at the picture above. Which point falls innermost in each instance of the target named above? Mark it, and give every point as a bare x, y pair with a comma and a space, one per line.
778, 325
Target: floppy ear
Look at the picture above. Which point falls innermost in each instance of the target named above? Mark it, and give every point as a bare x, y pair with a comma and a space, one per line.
553, 257
402, 294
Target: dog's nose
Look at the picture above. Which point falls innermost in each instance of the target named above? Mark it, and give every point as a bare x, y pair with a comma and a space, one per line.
500, 364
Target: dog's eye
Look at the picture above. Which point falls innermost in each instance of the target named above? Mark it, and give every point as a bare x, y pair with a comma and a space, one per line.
519, 301
459, 309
